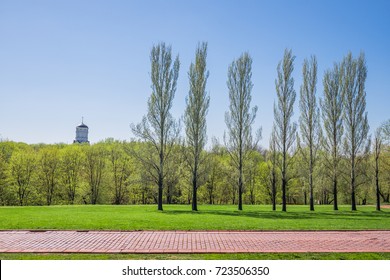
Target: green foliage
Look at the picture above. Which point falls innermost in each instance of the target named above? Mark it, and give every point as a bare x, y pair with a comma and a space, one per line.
22, 173
71, 167
109, 173
48, 171
95, 163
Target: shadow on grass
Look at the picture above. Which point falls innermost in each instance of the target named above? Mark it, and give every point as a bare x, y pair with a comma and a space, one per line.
286, 215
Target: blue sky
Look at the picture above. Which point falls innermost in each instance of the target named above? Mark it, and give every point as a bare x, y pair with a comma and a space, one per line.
60, 60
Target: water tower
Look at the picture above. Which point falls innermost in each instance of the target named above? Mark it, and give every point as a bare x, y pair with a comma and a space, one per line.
81, 133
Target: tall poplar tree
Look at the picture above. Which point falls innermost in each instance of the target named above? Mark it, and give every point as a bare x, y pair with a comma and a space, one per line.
241, 116
285, 129
355, 115
385, 128
309, 120
195, 117
158, 128
332, 116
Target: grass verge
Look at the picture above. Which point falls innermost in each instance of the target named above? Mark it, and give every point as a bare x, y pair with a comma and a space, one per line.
259, 256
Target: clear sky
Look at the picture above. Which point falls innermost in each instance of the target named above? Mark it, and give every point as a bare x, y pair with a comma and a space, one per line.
61, 60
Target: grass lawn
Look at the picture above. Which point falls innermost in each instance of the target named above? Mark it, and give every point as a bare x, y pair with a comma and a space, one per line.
258, 256
180, 217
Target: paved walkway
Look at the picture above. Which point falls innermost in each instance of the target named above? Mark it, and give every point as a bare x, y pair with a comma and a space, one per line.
193, 242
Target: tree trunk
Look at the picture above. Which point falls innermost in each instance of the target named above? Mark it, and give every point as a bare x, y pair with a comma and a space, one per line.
353, 195
161, 176
169, 196
160, 193
378, 203
240, 191
273, 190
284, 202
335, 206
311, 187
284, 175
194, 191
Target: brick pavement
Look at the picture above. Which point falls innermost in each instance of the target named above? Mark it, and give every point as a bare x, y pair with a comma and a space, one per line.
193, 242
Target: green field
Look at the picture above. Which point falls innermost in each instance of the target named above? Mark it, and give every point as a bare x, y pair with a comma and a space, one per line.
180, 217
241, 256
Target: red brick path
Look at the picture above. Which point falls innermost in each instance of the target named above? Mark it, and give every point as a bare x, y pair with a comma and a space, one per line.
193, 242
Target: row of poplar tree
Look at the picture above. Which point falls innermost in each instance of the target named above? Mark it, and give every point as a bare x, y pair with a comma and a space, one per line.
339, 130
327, 158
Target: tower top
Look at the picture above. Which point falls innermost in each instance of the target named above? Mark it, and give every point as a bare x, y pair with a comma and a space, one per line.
82, 123
81, 133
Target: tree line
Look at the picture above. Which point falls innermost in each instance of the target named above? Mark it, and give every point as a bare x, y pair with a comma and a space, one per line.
325, 158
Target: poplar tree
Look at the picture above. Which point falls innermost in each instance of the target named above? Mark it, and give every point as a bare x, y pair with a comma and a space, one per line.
241, 116
385, 129
195, 117
309, 120
355, 116
285, 129
158, 128
332, 117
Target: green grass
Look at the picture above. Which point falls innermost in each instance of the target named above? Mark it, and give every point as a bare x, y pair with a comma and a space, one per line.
260, 256
180, 217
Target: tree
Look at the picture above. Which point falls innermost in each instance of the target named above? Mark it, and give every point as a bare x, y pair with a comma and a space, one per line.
240, 118
195, 117
385, 128
95, 161
174, 172
22, 171
214, 171
49, 171
332, 115
285, 130
119, 163
354, 73
252, 176
72, 158
309, 120
3, 178
158, 127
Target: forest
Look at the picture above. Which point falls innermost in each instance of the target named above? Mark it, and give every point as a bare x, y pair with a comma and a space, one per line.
328, 157
107, 173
